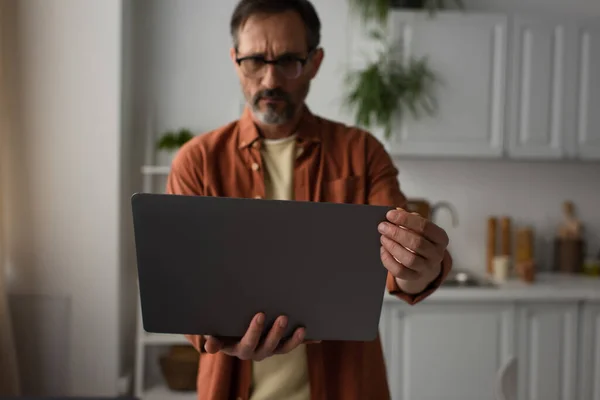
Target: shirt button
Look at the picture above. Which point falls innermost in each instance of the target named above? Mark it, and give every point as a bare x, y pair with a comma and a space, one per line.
255, 166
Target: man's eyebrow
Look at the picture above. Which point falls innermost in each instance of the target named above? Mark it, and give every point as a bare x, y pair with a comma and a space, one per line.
262, 54
290, 54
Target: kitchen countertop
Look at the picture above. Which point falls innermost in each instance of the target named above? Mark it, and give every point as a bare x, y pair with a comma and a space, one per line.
547, 286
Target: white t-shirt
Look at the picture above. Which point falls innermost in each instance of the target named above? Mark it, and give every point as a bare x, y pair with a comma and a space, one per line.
281, 376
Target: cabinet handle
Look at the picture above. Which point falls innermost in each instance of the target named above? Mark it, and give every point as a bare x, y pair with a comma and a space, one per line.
506, 380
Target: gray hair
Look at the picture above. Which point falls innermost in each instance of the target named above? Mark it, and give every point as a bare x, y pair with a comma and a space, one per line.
246, 8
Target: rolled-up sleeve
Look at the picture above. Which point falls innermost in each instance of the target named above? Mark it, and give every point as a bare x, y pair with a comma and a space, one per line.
384, 190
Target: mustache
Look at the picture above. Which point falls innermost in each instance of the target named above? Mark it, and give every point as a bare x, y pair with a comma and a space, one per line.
276, 94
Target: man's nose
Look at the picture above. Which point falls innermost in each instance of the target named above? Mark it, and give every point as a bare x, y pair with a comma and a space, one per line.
272, 76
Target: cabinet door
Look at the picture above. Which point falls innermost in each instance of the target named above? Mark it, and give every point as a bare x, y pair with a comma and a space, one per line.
588, 91
446, 351
547, 351
541, 80
589, 352
467, 51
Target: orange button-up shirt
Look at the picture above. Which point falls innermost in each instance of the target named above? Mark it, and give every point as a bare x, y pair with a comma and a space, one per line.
337, 163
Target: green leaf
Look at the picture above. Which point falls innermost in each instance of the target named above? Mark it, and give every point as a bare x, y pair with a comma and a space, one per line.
371, 10
171, 140
386, 89
378, 10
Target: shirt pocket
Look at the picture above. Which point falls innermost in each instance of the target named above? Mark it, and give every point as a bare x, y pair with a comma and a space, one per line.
345, 190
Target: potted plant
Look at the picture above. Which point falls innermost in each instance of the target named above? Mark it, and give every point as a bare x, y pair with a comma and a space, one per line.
386, 88
171, 141
431, 5
379, 9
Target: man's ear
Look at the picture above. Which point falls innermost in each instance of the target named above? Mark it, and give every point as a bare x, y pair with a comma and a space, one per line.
233, 56
315, 62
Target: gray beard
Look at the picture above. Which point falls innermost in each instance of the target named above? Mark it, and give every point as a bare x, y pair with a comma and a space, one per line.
271, 116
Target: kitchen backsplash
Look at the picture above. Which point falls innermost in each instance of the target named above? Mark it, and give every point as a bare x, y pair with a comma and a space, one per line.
531, 193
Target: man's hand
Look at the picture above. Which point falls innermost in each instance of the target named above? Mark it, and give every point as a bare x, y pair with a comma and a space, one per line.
250, 347
412, 249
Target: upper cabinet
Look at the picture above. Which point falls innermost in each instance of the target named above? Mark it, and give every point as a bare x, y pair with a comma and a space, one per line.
587, 82
541, 81
514, 86
555, 86
468, 55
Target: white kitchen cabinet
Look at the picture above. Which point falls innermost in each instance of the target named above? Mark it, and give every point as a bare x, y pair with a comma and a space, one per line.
542, 78
514, 86
554, 88
587, 128
589, 352
446, 351
547, 350
468, 54
467, 51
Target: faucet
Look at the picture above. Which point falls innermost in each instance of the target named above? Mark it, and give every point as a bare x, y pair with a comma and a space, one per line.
444, 204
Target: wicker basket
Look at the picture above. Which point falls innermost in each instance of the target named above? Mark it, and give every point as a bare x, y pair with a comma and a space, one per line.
180, 368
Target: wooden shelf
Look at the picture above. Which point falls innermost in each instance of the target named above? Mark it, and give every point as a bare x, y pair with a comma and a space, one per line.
156, 169
164, 339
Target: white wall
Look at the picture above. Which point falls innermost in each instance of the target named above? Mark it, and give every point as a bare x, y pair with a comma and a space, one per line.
530, 193
65, 241
187, 76
128, 273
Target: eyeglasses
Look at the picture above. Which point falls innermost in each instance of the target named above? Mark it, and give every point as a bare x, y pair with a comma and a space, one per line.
290, 66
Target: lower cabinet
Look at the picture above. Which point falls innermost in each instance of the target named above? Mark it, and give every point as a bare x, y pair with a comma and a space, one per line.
547, 351
449, 351
589, 352
457, 350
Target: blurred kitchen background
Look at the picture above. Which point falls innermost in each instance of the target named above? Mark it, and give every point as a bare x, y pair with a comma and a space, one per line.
513, 156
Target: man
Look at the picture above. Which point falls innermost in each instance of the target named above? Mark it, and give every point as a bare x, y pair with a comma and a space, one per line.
279, 150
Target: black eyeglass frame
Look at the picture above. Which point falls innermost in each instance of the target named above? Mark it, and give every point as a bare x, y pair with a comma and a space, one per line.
302, 60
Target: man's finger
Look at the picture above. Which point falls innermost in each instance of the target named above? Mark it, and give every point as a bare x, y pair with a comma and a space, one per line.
410, 240
212, 345
245, 348
294, 342
272, 340
397, 269
418, 224
405, 257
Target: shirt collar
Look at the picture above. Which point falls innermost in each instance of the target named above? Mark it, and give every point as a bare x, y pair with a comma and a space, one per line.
307, 132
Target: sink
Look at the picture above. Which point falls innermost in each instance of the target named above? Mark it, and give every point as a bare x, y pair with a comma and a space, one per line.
467, 279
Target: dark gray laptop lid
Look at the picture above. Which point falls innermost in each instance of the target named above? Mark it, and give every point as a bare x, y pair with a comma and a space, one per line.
207, 265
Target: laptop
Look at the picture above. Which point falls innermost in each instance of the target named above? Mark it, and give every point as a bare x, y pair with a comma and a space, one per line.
207, 265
